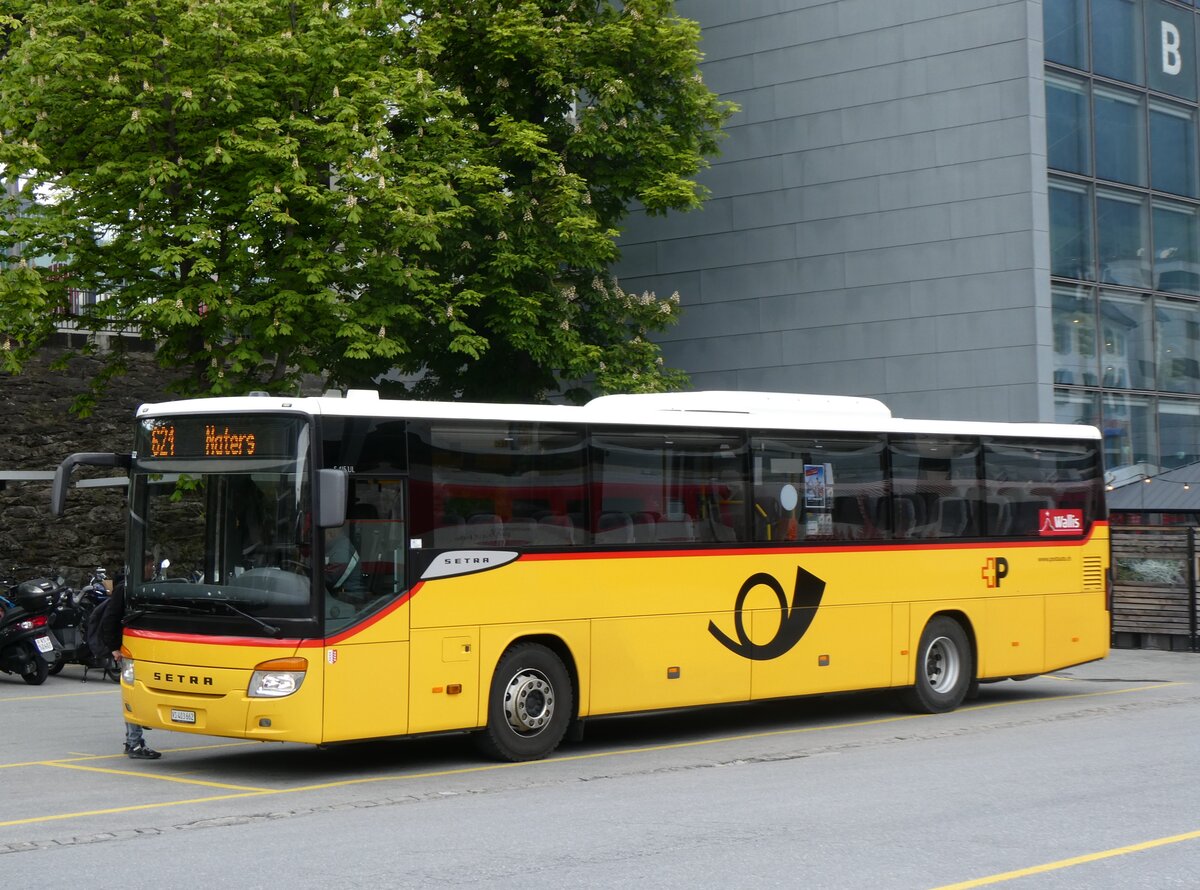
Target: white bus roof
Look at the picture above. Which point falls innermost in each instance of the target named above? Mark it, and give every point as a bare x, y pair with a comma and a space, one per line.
711, 409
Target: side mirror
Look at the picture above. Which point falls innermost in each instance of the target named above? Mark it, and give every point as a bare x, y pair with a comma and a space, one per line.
62, 474
332, 486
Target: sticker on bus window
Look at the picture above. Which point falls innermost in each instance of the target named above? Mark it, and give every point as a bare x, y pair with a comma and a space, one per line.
1060, 522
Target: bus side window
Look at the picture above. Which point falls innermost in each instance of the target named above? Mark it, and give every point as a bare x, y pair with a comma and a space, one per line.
935, 484
1024, 477
669, 486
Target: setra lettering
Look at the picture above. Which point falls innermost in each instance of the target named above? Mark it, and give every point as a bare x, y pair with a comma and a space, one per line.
182, 679
466, 561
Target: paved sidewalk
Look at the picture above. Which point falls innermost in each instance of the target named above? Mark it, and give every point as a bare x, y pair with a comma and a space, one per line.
1139, 664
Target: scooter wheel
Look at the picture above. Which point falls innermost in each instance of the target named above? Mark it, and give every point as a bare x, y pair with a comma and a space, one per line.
38, 675
56, 668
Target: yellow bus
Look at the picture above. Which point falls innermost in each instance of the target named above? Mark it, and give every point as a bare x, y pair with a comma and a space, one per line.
323, 570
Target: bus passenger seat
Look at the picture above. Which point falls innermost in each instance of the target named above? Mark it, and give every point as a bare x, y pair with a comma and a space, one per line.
999, 516
644, 526
906, 517
953, 517
614, 528
485, 530
556, 530
522, 533
675, 530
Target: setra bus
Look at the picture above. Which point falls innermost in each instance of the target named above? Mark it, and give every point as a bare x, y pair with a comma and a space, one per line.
330, 569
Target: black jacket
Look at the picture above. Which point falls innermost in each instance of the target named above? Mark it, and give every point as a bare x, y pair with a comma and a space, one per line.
110, 622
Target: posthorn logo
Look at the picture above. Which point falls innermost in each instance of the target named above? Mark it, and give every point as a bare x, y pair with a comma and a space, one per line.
794, 618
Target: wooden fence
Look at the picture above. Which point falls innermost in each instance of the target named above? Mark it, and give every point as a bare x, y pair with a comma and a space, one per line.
1154, 587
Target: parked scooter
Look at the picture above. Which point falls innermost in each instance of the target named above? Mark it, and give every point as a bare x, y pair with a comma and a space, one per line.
27, 647
69, 622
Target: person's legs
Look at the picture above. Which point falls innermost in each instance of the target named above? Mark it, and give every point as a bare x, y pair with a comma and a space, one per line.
135, 744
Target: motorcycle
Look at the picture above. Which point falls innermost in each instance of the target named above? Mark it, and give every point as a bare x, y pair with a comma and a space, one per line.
69, 621
27, 646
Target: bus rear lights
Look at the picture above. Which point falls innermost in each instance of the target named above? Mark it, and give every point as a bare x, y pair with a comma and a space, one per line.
277, 678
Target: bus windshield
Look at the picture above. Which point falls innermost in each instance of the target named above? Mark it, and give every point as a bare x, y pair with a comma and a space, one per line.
222, 521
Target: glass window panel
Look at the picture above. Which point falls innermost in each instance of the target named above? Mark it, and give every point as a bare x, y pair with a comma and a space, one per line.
1117, 40
1178, 346
1068, 134
1171, 49
1023, 477
814, 489
1120, 136
1179, 432
1123, 238
1074, 319
1071, 231
670, 487
1173, 149
1126, 344
935, 487
1064, 25
1128, 426
498, 484
1072, 406
1176, 248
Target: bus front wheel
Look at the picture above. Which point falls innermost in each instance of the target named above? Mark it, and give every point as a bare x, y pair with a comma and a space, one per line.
529, 706
945, 668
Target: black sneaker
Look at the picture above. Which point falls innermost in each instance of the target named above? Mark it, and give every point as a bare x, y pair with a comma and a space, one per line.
141, 751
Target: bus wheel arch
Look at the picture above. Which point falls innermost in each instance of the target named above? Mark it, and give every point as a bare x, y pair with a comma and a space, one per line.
531, 700
945, 669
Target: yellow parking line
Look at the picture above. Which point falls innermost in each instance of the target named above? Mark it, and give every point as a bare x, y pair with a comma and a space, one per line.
158, 776
113, 691
132, 809
1073, 861
79, 757
534, 764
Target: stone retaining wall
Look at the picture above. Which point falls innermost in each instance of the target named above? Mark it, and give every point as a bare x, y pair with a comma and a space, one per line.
38, 432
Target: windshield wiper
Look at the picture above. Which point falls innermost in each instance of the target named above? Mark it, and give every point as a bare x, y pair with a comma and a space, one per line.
141, 610
269, 628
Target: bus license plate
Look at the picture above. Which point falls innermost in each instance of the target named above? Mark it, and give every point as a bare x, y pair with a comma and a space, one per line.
178, 716
44, 644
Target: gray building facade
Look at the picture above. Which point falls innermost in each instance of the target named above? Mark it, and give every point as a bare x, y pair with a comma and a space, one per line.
973, 209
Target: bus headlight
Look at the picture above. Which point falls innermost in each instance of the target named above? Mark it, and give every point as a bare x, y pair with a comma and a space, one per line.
125, 663
277, 678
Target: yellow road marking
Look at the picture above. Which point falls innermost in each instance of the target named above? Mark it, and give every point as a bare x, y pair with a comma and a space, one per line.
135, 808
22, 698
1073, 861
491, 767
78, 757
157, 776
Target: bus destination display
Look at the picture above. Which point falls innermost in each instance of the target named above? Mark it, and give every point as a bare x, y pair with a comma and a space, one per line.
202, 438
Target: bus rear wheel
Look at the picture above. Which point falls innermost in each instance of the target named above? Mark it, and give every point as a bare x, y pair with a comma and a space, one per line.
529, 705
945, 668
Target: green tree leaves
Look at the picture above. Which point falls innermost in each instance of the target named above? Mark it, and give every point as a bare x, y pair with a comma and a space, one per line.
271, 188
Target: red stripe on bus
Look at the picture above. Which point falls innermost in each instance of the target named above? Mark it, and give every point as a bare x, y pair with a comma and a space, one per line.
801, 549
292, 643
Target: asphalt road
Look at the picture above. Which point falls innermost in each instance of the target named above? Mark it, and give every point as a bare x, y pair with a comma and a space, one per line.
1084, 778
